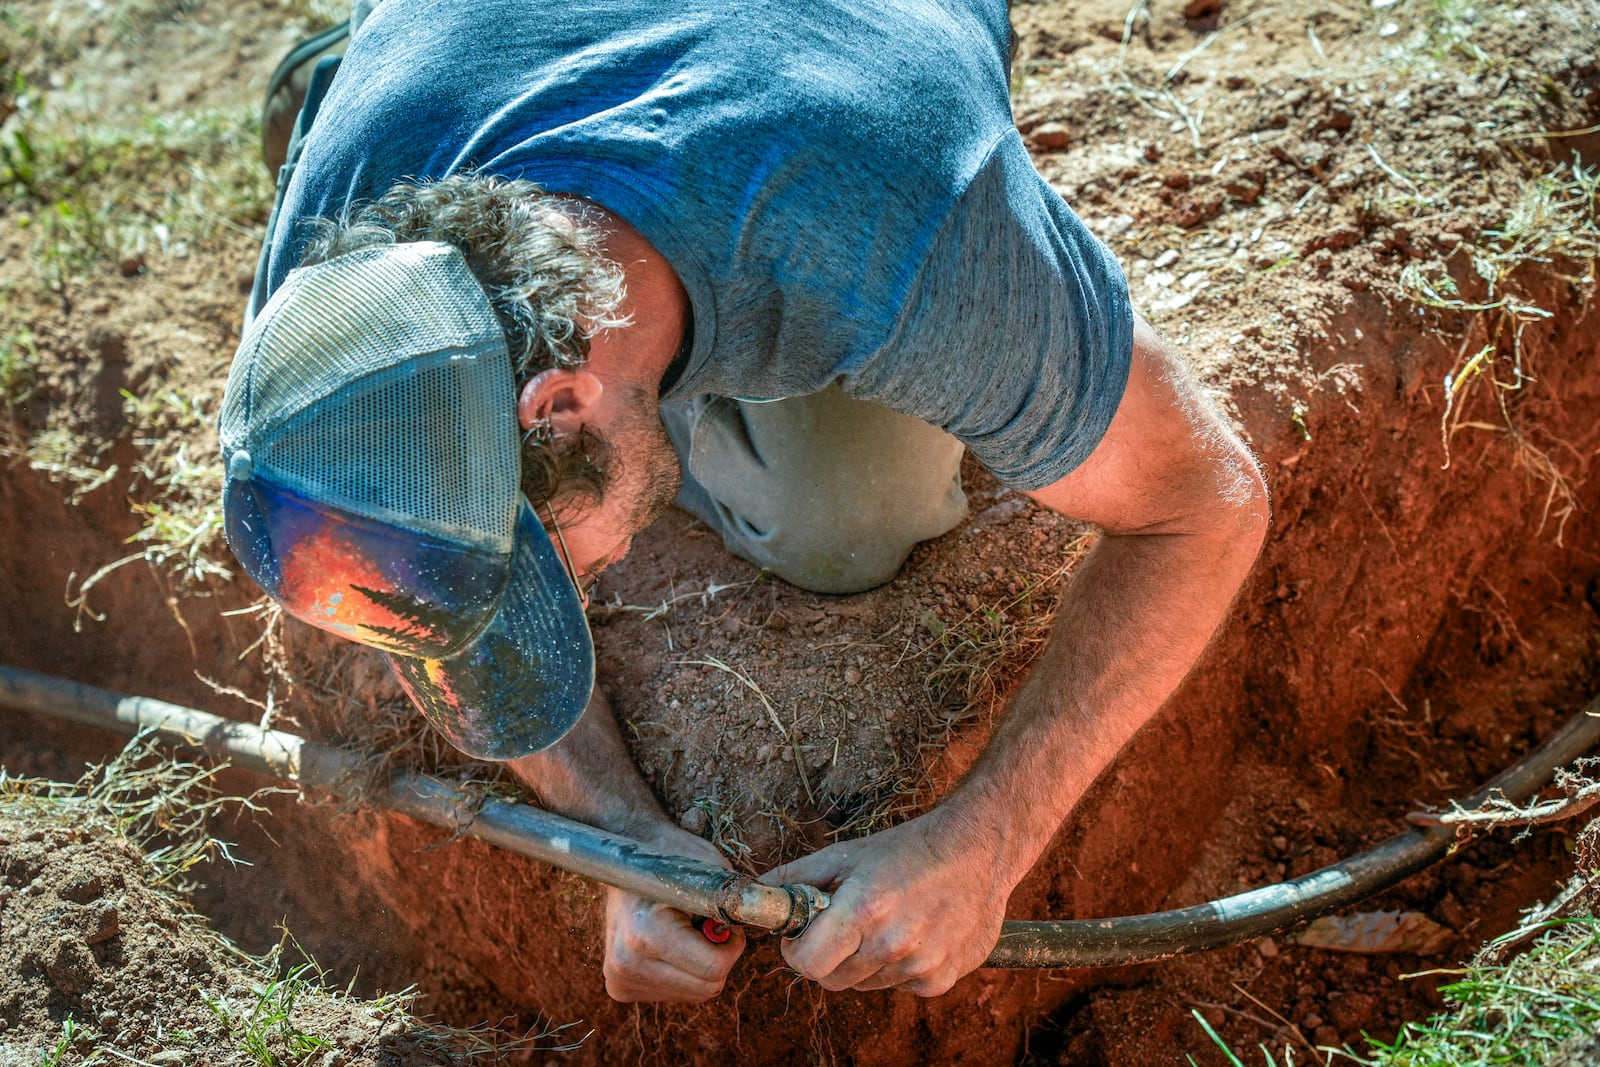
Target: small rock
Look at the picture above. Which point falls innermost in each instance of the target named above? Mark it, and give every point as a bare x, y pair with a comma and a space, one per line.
694, 820
71, 967
1051, 136
1268, 948
1246, 184
172, 1057
1351, 1012
1453, 913
83, 889
852, 676
132, 265
104, 924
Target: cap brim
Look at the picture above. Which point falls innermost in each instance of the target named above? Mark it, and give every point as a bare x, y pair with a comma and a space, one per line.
522, 683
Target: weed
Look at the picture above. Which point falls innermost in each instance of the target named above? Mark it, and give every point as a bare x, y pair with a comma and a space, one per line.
58, 453
19, 360
160, 805
71, 1035
268, 1030
978, 654
95, 193
181, 540
1556, 225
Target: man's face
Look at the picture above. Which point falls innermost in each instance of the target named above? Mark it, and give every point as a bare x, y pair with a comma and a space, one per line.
643, 477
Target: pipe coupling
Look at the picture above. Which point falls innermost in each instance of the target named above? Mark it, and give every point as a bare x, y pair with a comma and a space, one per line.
804, 903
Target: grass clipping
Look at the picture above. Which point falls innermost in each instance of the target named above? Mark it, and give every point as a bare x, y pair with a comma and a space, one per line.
1539, 1009
107, 964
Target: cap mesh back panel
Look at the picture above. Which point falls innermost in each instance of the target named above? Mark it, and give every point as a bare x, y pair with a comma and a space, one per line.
379, 380
398, 448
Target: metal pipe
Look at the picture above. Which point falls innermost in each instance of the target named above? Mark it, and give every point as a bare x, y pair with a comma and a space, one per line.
703, 889
695, 887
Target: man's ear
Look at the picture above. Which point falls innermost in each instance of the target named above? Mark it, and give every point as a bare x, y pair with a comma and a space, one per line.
564, 397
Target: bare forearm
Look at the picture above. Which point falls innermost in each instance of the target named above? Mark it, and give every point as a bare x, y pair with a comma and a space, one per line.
590, 776
1140, 612
1184, 509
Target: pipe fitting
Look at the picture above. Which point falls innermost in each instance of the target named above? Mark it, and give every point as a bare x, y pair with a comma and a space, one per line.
804, 903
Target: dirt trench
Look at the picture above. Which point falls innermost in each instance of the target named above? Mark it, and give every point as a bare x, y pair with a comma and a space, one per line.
1407, 631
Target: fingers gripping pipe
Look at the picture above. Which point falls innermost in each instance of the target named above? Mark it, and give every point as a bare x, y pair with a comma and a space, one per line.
690, 885
703, 889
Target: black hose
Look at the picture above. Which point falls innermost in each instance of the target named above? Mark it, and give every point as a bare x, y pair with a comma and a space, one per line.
708, 890
1270, 909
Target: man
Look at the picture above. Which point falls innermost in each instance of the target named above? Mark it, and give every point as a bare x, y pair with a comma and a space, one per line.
800, 256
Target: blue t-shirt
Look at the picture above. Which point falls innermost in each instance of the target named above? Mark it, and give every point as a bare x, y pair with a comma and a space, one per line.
838, 184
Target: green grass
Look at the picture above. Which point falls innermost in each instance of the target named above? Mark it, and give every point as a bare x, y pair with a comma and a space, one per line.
71, 1036
1519, 1013
1541, 1006
97, 194
269, 1033
19, 362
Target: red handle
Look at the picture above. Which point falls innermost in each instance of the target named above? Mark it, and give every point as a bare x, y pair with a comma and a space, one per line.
713, 931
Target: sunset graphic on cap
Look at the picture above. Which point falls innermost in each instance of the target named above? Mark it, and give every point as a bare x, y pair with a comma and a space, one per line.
328, 582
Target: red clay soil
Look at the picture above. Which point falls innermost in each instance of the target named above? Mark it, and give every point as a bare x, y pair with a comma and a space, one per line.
1409, 630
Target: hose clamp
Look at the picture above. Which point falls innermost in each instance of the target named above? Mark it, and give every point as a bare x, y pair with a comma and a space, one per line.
804, 903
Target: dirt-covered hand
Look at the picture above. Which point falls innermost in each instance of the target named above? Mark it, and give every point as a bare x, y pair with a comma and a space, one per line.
653, 952
915, 907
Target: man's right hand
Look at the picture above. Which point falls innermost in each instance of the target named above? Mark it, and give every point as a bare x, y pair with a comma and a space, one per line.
654, 952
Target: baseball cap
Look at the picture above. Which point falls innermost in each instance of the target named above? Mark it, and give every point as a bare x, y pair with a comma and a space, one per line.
371, 445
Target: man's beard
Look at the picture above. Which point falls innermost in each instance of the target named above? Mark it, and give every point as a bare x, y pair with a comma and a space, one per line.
650, 469
574, 473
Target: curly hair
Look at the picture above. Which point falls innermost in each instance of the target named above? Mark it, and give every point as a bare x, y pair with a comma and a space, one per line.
540, 267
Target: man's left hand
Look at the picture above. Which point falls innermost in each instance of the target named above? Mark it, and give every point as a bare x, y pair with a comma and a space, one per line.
915, 907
